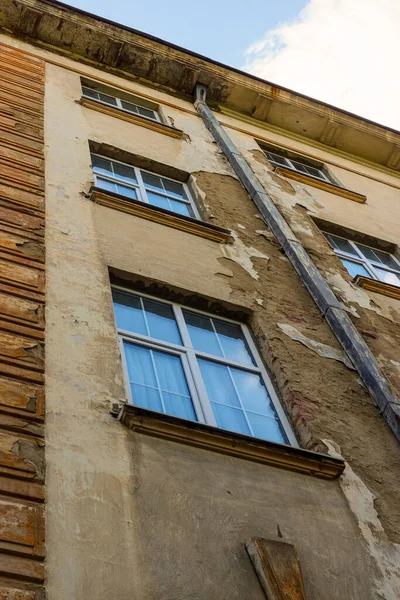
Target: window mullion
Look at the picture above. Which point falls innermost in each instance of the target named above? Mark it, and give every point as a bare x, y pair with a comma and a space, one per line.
142, 189
201, 389
240, 401
145, 316
158, 381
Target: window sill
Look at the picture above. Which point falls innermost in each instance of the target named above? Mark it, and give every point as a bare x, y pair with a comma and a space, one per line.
372, 285
322, 185
233, 444
135, 119
159, 215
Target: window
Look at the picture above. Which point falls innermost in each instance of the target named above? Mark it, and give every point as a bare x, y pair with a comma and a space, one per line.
294, 165
366, 261
137, 184
195, 366
130, 107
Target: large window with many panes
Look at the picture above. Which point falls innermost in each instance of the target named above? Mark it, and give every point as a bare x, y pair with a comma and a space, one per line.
116, 102
366, 261
147, 187
196, 366
279, 160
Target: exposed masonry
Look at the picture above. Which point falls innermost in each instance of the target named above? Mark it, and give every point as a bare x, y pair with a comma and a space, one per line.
384, 553
22, 466
333, 311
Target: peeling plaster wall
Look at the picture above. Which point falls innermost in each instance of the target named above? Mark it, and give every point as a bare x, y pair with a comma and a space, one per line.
110, 492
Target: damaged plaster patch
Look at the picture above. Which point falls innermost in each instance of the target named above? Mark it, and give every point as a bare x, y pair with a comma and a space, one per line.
384, 553
321, 349
242, 254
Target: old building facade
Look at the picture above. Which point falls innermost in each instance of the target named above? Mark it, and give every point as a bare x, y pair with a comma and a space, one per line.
199, 324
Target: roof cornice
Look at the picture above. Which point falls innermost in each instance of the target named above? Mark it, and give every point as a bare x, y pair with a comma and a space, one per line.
136, 55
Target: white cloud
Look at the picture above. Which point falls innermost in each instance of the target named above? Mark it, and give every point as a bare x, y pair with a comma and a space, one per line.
344, 52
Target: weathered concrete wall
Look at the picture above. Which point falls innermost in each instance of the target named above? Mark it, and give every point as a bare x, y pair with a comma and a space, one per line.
130, 516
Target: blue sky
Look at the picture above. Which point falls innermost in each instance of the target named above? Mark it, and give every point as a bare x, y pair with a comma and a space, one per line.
218, 29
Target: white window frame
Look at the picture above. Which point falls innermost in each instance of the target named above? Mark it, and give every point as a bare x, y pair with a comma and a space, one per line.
188, 355
119, 104
289, 164
140, 187
360, 259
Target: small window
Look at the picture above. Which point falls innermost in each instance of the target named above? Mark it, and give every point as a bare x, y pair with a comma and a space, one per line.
279, 160
116, 102
196, 366
366, 261
137, 184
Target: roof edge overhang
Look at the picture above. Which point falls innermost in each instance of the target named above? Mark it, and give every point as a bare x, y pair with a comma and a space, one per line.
135, 55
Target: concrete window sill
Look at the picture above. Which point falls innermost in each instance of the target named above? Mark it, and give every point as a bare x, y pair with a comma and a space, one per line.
372, 285
131, 118
210, 438
159, 215
322, 185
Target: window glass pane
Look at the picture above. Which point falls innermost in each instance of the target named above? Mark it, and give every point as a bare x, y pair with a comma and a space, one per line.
202, 333
126, 191
253, 393
231, 419
298, 166
174, 188
125, 172
104, 184
341, 244
181, 208
267, 428
218, 382
157, 200
152, 181
128, 313
378, 256
108, 99
146, 112
90, 93
232, 341
142, 377
314, 172
161, 321
355, 268
387, 276
101, 165
129, 107
275, 158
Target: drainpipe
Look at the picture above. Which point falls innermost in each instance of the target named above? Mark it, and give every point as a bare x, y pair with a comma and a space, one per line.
332, 310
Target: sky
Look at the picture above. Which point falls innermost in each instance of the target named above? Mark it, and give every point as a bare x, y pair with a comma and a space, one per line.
343, 52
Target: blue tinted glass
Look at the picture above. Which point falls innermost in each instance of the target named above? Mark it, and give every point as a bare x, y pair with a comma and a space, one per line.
179, 406
174, 188
124, 172
104, 184
128, 313
233, 343
101, 165
218, 383
142, 377
161, 321
146, 397
170, 373
152, 181
127, 192
231, 419
387, 277
252, 392
157, 200
341, 244
202, 333
266, 428
355, 268
181, 208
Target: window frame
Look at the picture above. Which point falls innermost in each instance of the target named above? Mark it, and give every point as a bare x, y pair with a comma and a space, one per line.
140, 187
359, 258
157, 117
289, 165
201, 402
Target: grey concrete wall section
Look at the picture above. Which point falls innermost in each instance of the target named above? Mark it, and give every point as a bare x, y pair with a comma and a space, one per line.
335, 315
